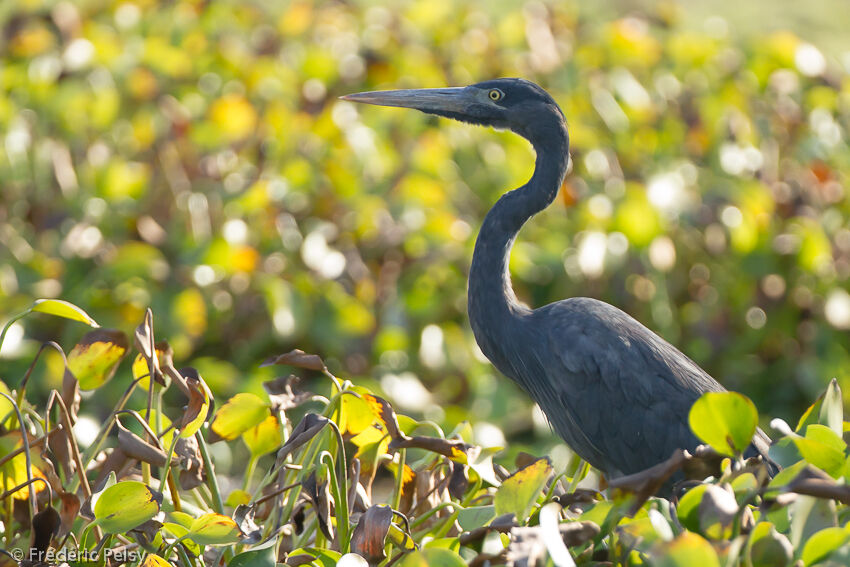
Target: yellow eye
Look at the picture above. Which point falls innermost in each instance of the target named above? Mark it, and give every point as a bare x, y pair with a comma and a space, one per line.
496, 94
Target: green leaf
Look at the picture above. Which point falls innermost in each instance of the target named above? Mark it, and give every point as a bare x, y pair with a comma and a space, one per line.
688, 508
725, 420
769, 548
688, 550
832, 408
214, 529
260, 555
822, 448
432, 557
178, 530
7, 410
125, 505
475, 517
521, 490
241, 412
64, 309
821, 544
810, 515
321, 557
95, 358
259, 558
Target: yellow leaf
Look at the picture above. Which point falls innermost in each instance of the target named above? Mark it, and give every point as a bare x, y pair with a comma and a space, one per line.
153, 560
94, 359
63, 309
264, 437
241, 412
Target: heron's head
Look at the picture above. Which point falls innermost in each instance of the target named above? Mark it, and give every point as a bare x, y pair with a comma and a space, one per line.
515, 104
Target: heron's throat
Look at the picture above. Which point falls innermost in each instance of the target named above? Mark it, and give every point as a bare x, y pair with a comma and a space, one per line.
494, 312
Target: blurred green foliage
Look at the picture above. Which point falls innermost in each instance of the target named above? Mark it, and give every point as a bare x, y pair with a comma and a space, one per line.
193, 156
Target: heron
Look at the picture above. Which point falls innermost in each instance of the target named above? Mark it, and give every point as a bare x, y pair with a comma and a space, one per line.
616, 392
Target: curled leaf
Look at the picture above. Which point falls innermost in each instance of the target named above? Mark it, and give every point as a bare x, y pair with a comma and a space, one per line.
299, 359
198, 408
371, 533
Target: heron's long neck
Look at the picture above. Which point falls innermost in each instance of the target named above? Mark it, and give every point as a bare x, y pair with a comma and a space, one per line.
493, 307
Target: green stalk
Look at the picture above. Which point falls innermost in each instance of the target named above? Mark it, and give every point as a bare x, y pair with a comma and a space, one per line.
341, 499
11, 322
218, 505
95, 447
399, 482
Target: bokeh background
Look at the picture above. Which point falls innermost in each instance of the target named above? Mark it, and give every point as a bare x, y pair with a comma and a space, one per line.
194, 157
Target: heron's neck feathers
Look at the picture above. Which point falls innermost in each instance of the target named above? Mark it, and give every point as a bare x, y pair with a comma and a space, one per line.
493, 306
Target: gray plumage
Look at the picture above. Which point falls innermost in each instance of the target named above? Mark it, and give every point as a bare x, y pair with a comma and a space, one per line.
617, 393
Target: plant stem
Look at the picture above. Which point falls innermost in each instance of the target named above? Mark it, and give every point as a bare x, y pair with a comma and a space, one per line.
218, 505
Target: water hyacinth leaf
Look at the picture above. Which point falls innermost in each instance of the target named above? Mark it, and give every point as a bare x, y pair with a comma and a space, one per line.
383, 410
45, 525
688, 508
357, 413
299, 359
95, 358
137, 448
154, 560
520, 491
371, 532
306, 429
811, 415
142, 373
214, 529
822, 448
432, 557
282, 396
241, 412
320, 557
255, 558
125, 505
725, 420
687, 550
199, 404
400, 538
63, 309
832, 409
14, 472
238, 497
264, 437
717, 511
7, 410
769, 548
475, 517
180, 531
821, 544
810, 515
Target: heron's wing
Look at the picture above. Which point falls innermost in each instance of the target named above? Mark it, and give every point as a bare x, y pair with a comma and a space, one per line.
617, 392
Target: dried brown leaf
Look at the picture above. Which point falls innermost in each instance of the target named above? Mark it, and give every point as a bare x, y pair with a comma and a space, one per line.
299, 359
370, 534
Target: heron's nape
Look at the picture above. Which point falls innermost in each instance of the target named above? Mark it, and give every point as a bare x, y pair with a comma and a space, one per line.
616, 392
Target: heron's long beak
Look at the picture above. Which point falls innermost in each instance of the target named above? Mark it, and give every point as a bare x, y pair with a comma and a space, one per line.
454, 99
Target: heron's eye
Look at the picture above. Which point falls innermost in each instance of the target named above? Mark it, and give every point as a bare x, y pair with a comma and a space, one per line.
496, 94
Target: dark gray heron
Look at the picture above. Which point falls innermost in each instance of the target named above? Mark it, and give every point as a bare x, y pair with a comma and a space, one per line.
616, 392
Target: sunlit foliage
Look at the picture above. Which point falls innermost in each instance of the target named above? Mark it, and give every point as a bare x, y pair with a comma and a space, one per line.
193, 156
